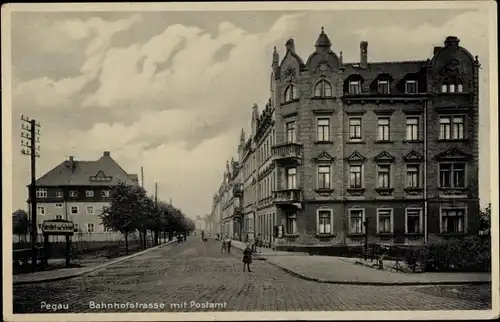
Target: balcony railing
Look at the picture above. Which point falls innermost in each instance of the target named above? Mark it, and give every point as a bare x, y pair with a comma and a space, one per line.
288, 196
238, 190
287, 152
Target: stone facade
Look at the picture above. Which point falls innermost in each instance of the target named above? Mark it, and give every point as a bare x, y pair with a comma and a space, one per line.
386, 151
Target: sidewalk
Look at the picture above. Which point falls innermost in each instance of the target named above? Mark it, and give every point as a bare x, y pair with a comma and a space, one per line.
339, 270
66, 273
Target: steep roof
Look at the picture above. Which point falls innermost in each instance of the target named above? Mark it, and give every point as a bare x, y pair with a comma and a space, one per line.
103, 172
397, 69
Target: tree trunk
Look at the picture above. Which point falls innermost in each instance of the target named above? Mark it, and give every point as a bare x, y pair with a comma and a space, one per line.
145, 237
126, 243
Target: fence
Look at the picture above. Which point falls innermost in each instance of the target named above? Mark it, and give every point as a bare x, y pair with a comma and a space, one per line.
82, 243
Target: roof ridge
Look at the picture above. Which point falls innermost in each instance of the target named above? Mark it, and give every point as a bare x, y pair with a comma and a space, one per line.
388, 62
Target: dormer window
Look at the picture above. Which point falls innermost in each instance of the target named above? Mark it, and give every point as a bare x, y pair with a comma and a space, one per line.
383, 86
450, 85
411, 87
290, 93
323, 89
354, 87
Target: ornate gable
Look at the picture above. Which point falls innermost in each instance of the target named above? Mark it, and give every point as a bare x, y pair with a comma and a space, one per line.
290, 74
355, 157
324, 157
413, 156
323, 67
452, 154
384, 157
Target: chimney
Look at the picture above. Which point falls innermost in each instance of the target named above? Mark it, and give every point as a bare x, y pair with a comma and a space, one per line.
106, 154
70, 163
364, 54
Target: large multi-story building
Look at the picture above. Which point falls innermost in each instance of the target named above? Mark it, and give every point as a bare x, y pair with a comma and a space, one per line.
386, 151
78, 191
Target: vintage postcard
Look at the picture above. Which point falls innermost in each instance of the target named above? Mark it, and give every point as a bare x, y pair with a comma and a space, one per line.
250, 161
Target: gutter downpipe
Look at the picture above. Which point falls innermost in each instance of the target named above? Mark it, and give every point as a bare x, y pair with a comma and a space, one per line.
425, 174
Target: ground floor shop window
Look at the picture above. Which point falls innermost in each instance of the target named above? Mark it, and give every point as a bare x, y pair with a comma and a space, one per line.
291, 225
413, 220
452, 220
325, 221
356, 218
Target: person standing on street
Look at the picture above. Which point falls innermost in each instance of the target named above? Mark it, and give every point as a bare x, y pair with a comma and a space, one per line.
247, 257
257, 243
228, 240
224, 246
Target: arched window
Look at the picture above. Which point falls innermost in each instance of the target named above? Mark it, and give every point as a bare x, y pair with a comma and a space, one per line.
290, 93
323, 89
452, 85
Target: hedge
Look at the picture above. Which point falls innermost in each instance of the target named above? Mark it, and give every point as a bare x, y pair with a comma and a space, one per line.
470, 254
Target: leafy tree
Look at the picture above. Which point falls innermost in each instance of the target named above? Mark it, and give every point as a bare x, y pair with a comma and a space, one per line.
127, 202
485, 220
20, 223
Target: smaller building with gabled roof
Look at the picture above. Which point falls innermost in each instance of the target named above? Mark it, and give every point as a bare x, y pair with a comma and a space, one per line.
78, 191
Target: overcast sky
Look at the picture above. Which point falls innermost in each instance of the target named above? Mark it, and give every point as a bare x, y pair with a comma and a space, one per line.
170, 91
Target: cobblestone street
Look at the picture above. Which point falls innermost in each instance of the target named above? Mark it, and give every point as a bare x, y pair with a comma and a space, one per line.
196, 272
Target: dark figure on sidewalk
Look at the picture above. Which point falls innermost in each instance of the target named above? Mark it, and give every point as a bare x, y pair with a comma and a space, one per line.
224, 246
217, 238
247, 257
228, 245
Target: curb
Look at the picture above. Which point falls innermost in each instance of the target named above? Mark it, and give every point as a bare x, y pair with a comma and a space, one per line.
317, 280
90, 269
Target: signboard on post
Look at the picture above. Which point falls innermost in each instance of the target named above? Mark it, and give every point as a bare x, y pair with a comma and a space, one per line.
58, 227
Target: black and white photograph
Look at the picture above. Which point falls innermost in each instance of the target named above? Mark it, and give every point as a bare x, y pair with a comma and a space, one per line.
250, 160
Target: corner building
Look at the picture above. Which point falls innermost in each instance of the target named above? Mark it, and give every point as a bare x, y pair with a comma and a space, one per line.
383, 149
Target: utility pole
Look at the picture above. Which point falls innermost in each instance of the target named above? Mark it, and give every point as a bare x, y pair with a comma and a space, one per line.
29, 138
142, 177
156, 193
156, 209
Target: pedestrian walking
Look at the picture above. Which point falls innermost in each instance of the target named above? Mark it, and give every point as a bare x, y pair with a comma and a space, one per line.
247, 257
257, 243
228, 240
224, 246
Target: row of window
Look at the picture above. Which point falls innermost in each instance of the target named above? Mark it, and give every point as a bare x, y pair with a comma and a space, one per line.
450, 128
451, 175
74, 210
264, 151
452, 220
324, 89
42, 193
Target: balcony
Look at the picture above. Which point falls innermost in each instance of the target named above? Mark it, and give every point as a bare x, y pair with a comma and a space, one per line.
287, 153
287, 197
237, 212
238, 190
